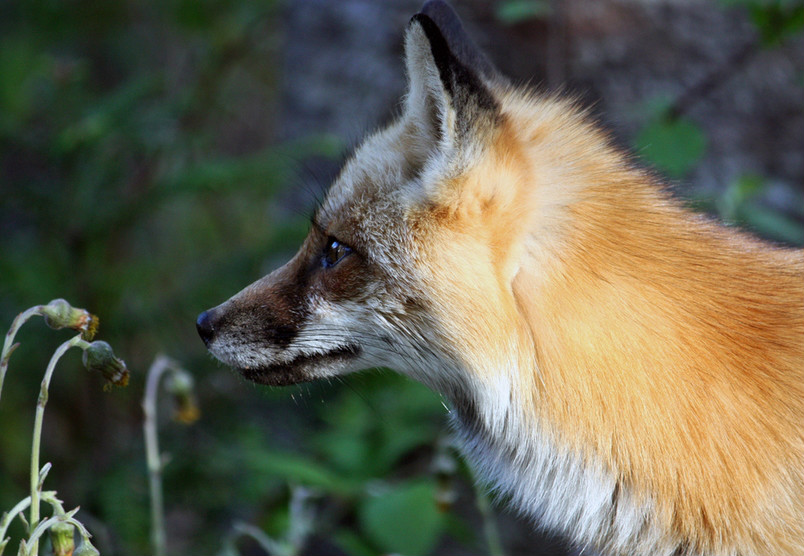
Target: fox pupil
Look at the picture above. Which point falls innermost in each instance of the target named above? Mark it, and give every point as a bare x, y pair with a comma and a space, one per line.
334, 252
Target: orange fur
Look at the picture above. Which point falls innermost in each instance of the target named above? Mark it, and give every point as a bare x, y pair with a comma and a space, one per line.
667, 346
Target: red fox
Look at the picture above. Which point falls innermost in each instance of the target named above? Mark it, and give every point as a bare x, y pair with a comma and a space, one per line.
629, 373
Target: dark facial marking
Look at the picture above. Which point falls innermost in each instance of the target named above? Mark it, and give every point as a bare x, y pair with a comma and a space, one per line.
293, 372
268, 316
271, 311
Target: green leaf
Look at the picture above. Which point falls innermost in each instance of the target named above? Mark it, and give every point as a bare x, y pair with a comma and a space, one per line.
377, 422
517, 11
299, 469
732, 201
674, 145
349, 452
773, 225
404, 520
740, 204
776, 21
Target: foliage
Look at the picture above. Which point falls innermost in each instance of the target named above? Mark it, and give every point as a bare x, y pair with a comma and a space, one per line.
98, 356
673, 145
741, 204
416, 521
517, 11
356, 462
121, 188
775, 20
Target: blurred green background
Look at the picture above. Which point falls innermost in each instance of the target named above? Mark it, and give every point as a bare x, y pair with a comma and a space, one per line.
150, 167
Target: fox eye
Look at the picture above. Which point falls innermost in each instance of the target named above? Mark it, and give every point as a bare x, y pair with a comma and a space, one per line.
334, 252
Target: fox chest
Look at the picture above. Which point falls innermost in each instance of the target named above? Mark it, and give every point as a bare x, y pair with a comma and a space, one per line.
559, 490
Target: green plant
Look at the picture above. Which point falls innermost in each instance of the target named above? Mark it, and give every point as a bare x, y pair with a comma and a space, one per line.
674, 143
380, 463
97, 356
179, 383
301, 522
517, 11
669, 141
775, 20
140, 173
741, 204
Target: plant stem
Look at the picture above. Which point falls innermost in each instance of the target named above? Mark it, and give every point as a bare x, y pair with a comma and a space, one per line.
154, 459
9, 517
37, 433
48, 496
9, 345
266, 543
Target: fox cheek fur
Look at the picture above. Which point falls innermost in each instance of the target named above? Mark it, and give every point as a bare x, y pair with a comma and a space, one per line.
629, 373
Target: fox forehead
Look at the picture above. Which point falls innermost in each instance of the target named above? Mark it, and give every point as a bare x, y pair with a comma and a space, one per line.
402, 205
367, 205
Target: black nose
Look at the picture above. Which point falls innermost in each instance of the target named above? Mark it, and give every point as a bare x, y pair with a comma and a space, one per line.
205, 326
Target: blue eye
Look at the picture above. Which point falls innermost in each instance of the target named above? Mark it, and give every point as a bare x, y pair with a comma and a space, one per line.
334, 252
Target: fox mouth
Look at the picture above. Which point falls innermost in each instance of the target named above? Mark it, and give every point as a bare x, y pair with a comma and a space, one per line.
300, 368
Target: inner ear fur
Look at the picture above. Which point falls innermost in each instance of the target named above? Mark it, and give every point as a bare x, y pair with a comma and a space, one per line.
447, 97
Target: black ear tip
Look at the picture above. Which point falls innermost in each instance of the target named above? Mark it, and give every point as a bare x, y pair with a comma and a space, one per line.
441, 13
444, 30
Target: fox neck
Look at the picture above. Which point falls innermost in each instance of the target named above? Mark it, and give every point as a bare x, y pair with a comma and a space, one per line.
628, 330
509, 433
560, 488
528, 423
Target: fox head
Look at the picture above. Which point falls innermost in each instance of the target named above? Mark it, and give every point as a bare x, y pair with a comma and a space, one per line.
410, 259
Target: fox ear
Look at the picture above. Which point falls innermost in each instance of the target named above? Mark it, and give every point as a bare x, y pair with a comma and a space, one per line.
459, 42
448, 101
